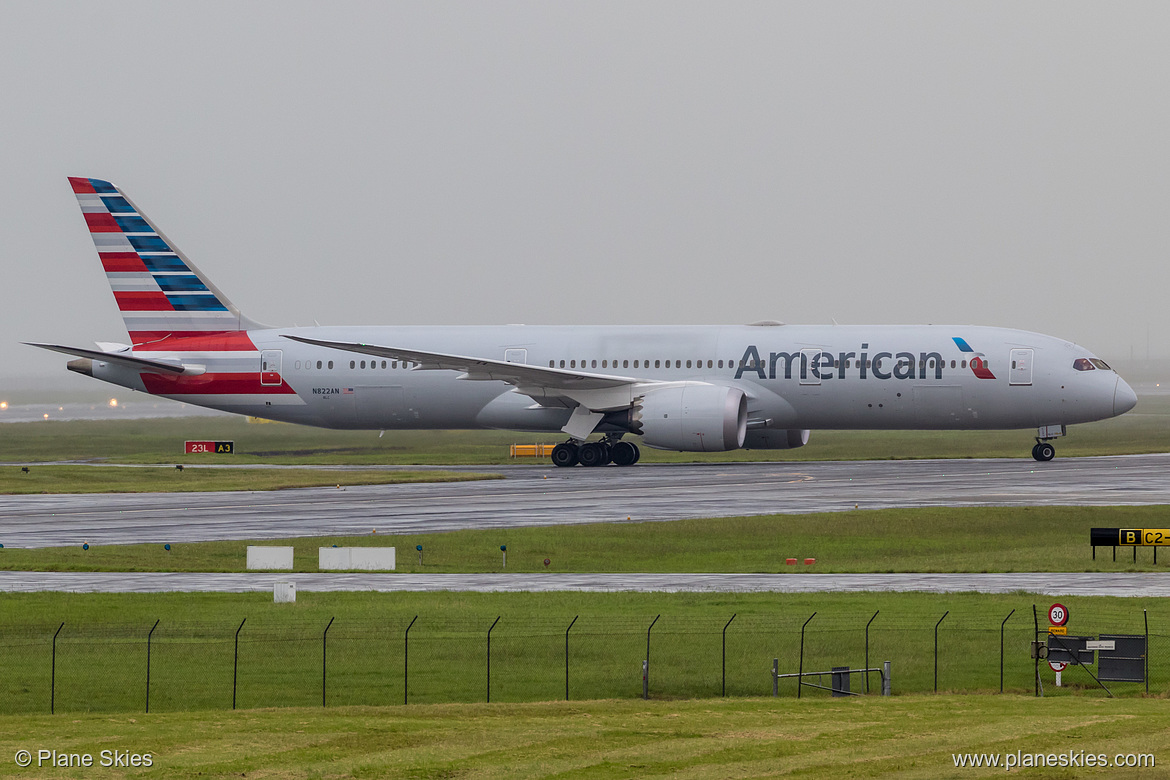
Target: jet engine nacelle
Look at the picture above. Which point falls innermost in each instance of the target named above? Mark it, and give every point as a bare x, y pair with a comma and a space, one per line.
693, 417
772, 439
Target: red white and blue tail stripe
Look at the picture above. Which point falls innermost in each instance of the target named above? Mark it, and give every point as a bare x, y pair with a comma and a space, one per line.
161, 295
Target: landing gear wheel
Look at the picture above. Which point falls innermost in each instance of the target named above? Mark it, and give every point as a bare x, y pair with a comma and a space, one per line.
625, 453
1043, 452
565, 455
593, 453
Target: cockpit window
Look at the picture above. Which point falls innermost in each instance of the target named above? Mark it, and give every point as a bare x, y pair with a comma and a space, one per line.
1101, 364
1083, 364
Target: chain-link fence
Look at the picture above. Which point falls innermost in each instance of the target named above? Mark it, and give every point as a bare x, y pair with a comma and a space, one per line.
172, 665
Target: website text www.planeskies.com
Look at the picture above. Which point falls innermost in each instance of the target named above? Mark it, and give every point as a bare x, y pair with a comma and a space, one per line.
1067, 759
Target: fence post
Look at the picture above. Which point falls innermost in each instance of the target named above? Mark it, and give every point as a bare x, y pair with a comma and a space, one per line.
236, 662
1035, 638
875, 614
1146, 620
148, 636
646, 665
776, 677
886, 686
489, 659
406, 664
567, 656
1001, 625
800, 670
324, 637
936, 625
53, 674
725, 653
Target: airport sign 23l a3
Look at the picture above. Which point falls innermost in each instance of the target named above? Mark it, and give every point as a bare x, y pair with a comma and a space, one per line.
217, 447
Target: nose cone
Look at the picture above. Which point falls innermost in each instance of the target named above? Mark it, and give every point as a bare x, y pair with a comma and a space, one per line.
1124, 398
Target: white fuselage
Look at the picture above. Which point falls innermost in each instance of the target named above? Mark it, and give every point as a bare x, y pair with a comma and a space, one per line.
794, 376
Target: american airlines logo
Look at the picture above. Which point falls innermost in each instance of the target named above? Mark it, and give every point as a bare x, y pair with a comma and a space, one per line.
820, 364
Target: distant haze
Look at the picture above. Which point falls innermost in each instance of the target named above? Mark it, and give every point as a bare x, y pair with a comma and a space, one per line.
997, 163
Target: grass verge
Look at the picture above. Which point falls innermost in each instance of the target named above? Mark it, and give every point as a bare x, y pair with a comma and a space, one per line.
907, 737
942, 539
86, 479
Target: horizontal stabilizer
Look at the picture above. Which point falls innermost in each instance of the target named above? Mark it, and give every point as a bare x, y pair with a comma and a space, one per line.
123, 359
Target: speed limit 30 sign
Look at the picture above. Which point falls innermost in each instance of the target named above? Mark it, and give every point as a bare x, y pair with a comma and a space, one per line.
1058, 614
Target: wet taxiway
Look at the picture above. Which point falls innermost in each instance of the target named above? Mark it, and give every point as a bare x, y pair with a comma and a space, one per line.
542, 495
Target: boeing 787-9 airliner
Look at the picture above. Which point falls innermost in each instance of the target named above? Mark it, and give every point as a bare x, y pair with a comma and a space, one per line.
685, 387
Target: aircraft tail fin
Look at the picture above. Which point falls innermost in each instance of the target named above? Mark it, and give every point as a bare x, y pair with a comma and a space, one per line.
161, 294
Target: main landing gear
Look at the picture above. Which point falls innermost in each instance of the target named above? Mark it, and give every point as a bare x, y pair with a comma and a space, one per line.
595, 453
1043, 451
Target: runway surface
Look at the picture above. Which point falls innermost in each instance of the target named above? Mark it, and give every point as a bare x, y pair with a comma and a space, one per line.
1054, 584
543, 495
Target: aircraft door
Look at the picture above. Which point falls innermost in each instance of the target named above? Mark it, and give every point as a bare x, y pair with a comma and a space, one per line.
810, 359
1020, 372
515, 355
270, 367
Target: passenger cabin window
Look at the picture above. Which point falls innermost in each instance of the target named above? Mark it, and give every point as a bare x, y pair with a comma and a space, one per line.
330, 365
657, 363
352, 364
625, 364
593, 364
1083, 364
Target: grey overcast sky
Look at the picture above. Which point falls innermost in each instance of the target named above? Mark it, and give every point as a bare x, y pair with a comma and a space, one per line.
1000, 163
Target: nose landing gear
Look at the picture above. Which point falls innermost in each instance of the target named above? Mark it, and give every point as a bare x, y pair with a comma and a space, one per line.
1043, 451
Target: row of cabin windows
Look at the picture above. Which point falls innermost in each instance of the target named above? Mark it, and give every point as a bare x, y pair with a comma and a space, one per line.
748, 364
357, 364
640, 364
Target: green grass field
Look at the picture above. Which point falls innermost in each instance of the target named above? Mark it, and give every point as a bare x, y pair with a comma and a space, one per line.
101, 650
940, 539
1146, 429
719, 739
687, 730
167, 479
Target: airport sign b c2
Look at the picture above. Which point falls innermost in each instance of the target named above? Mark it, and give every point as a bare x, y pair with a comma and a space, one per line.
218, 447
1144, 537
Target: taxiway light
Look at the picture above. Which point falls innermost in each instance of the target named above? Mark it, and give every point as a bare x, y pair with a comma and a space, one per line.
45, 415
167, 547
85, 546
418, 547
113, 402
503, 548
3, 404
547, 562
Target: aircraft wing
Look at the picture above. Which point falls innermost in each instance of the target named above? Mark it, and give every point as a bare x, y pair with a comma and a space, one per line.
588, 394
119, 358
